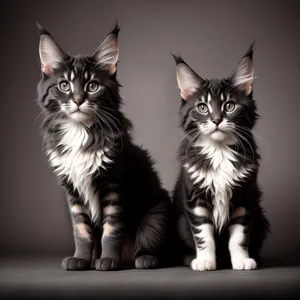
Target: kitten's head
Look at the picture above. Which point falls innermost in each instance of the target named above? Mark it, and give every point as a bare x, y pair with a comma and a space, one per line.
79, 88
218, 109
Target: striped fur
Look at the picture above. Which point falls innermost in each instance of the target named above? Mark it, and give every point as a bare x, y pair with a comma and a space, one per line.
216, 195
110, 183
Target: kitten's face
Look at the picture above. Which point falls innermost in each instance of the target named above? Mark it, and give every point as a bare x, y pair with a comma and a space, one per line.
78, 88
220, 110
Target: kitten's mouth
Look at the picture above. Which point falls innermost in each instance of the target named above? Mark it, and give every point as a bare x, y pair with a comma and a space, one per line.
77, 111
218, 130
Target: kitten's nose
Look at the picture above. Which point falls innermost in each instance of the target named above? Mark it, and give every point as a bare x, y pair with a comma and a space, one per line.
78, 100
217, 121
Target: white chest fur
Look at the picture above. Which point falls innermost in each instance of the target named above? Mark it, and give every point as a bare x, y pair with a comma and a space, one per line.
78, 165
219, 179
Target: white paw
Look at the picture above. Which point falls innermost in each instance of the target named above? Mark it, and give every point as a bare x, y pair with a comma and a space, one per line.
203, 264
244, 264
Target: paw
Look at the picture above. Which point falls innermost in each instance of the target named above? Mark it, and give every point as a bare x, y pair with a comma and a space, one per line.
107, 264
204, 264
75, 264
146, 262
244, 264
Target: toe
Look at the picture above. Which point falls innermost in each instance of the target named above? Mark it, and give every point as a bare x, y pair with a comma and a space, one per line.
244, 264
75, 264
203, 264
107, 264
146, 262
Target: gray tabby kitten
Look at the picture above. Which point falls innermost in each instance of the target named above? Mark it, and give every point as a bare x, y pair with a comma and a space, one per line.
115, 197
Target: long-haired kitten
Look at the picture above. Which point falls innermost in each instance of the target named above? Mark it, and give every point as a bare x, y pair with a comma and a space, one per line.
216, 195
114, 194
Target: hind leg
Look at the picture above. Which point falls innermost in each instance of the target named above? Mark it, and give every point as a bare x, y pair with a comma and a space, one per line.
151, 238
186, 240
259, 233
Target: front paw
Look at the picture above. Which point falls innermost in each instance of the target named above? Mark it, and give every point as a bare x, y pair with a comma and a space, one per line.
243, 264
204, 264
107, 264
146, 262
75, 264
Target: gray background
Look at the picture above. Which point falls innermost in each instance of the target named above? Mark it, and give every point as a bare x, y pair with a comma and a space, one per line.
212, 36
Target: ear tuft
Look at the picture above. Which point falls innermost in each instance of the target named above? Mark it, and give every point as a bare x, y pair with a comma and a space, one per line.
243, 75
116, 29
250, 51
41, 29
178, 59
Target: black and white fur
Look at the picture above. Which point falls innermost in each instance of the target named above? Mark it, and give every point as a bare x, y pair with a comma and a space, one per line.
114, 194
216, 195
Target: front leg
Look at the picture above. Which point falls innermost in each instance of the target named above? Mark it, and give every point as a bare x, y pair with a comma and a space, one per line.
202, 228
113, 230
83, 237
238, 241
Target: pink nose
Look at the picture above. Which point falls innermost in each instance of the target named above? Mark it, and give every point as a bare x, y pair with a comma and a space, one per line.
217, 121
78, 101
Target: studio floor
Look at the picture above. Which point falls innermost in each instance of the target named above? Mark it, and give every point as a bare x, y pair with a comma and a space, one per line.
43, 278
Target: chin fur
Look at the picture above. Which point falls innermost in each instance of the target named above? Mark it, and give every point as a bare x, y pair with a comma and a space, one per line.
79, 116
218, 136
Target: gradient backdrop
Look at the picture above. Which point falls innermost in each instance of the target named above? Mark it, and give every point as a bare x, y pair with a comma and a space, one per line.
211, 36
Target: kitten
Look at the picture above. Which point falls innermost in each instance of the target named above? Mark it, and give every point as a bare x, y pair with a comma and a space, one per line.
216, 195
113, 192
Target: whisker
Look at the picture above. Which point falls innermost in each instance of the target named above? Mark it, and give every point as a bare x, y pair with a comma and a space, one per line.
196, 136
252, 131
105, 121
106, 112
105, 107
115, 125
187, 134
242, 137
242, 146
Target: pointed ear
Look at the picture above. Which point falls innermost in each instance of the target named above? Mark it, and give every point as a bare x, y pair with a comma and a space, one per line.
50, 52
188, 81
243, 75
108, 52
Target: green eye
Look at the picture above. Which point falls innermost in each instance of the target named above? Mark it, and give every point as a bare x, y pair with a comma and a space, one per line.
64, 86
229, 106
93, 87
202, 108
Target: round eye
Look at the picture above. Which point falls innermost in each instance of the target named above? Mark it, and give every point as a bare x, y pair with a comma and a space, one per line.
93, 87
64, 86
202, 108
229, 106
